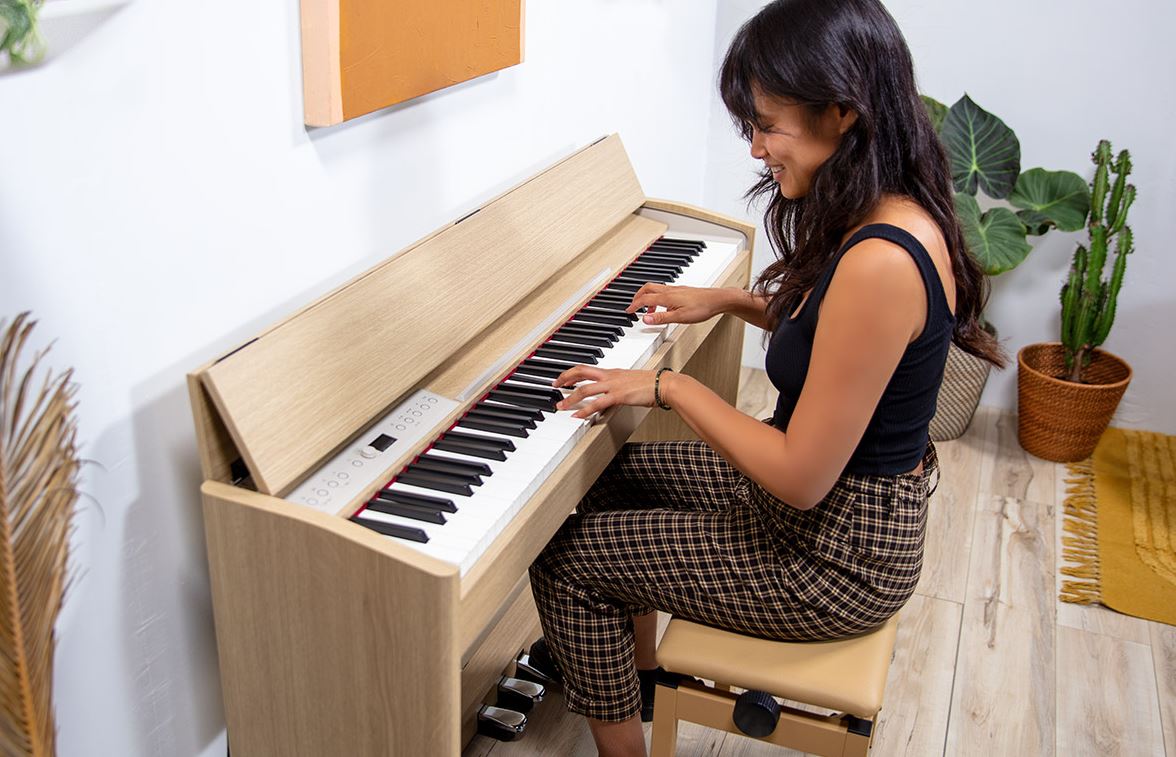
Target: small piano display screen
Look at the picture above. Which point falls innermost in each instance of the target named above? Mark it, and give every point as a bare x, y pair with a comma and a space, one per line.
382, 442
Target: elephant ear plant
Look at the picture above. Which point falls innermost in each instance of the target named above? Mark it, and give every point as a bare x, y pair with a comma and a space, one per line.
20, 39
1088, 300
985, 156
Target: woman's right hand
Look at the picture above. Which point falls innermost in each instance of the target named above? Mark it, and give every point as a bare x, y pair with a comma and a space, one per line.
682, 304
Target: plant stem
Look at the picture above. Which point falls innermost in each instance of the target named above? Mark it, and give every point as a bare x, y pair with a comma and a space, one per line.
1076, 370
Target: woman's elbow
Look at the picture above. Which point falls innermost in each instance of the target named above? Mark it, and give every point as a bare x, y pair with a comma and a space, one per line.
800, 498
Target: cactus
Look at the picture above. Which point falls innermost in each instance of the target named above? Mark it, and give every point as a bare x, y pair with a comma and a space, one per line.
1088, 300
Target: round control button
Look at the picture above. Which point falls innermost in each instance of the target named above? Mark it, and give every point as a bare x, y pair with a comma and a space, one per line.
357, 463
333, 484
311, 501
433, 399
342, 475
409, 420
399, 427
369, 452
417, 413
424, 407
322, 492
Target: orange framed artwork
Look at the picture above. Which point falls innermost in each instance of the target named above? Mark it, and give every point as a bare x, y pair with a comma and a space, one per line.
362, 55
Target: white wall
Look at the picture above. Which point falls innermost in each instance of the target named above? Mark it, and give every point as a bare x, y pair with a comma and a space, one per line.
1062, 75
160, 201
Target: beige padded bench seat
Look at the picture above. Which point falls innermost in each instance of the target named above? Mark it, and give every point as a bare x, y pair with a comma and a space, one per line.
847, 676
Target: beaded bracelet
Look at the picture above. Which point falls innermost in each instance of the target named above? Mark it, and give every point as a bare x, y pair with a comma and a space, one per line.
657, 389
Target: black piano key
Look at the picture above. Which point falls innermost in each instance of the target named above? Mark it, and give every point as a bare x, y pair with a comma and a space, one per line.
548, 393
606, 318
444, 466
495, 427
523, 400
620, 285
684, 244
473, 467
420, 500
534, 368
616, 331
436, 481
643, 278
650, 266
473, 450
612, 298
416, 512
551, 351
613, 306
514, 411
572, 337
571, 352
534, 363
502, 444
524, 378
676, 240
522, 418
592, 329
629, 317
393, 529
668, 258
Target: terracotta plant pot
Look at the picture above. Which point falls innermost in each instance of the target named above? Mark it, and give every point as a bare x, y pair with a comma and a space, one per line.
1060, 420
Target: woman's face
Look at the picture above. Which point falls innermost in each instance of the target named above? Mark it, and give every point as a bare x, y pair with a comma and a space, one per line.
792, 144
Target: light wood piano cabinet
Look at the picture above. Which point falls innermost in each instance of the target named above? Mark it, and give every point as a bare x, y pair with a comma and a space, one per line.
334, 639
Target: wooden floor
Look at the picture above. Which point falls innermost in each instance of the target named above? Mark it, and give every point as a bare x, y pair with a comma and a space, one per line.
987, 661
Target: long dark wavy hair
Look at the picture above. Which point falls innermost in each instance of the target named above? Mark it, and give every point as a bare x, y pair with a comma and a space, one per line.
847, 53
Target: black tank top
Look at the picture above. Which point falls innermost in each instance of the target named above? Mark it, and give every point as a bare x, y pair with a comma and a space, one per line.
896, 437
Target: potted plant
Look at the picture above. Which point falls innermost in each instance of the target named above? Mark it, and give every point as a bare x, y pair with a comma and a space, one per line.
19, 37
985, 157
1067, 391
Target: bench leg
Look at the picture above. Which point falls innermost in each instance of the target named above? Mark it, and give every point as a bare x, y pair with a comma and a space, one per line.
665, 722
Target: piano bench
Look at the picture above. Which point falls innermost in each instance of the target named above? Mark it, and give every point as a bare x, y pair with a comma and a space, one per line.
846, 676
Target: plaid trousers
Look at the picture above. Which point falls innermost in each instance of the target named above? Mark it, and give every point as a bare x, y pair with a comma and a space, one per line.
672, 526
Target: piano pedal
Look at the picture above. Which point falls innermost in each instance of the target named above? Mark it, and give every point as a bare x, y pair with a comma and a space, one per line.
500, 723
536, 665
519, 695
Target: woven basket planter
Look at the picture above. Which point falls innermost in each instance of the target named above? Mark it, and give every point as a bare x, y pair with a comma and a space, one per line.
964, 377
1060, 420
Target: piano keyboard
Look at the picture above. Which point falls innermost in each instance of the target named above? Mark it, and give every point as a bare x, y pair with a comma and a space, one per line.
457, 496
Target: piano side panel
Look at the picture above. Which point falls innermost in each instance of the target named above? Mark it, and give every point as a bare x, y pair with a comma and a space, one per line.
702, 214
300, 390
490, 581
217, 451
328, 644
716, 364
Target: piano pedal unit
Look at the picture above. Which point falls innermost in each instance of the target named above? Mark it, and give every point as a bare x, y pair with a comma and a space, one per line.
370, 515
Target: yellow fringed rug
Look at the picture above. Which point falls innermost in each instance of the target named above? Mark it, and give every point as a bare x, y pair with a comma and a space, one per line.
1119, 546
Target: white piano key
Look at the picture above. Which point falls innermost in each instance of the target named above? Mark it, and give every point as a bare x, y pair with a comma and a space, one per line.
482, 516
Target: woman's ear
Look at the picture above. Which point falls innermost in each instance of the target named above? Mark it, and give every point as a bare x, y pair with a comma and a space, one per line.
847, 117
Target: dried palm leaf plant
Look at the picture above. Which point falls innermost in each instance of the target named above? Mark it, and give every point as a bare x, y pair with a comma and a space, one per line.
38, 489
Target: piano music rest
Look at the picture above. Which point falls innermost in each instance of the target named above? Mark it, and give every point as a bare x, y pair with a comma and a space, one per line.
366, 598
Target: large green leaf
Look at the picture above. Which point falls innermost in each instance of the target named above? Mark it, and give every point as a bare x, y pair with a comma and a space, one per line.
1060, 198
935, 109
995, 238
983, 151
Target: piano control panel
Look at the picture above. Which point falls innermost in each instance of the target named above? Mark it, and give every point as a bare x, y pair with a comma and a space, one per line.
363, 461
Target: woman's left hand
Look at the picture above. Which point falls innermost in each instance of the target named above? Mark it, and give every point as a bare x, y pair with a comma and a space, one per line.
608, 387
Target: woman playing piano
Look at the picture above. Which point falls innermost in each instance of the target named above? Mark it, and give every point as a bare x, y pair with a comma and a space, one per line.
810, 527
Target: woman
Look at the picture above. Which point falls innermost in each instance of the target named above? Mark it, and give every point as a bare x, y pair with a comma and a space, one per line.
810, 527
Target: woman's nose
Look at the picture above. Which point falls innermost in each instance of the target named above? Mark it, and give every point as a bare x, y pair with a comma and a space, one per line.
757, 144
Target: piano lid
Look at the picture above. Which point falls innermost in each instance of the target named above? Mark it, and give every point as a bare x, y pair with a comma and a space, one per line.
294, 394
